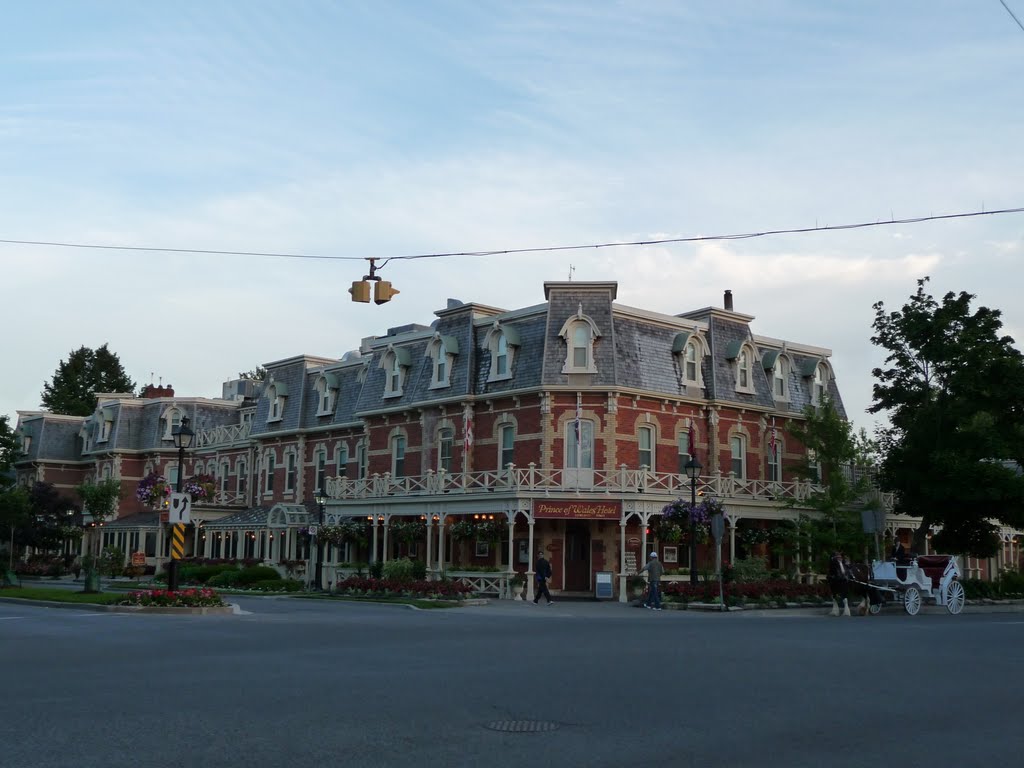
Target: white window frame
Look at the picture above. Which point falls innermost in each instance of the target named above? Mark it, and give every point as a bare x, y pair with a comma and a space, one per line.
241, 476
172, 420
394, 373
579, 333
780, 378
442, 361
745, 370
646, 433
586, 458
819, 384
106, 427
325, 396
269, 462
225, 471
445, 448
501, 349
814, 466
277, 403
683, 446
738, 463
399, 444
506, 445
341, 460
362, 460
291, 471
320, 469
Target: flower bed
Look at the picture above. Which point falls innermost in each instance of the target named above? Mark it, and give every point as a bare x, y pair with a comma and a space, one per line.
357, 586
182, 598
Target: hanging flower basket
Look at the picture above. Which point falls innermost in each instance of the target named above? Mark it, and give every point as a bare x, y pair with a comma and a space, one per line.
408, 531
153, 489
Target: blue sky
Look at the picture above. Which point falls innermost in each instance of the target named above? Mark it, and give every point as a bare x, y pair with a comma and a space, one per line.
390, 128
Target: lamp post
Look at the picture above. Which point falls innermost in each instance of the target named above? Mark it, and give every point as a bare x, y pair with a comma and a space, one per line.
693, 468
182, 441
321, 499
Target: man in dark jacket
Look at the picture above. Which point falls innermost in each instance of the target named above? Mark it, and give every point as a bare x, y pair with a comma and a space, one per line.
654, 570
543, 574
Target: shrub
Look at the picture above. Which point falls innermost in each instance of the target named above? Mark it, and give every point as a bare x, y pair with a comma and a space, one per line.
419, 570
224, 578
751, 569
183, 598
398, 570
445, 590
376, 569
256, 573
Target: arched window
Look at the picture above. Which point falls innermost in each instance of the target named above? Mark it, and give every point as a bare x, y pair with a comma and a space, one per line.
362, 460
242, 473
579, 333
445, 447
342, 460
326, 391
690, 363
738, 461
645, 447
320, 482
398, 456
442, 351
291, 472
277, 394
501, 341
820, 381
395, 362
506, 445
780, 378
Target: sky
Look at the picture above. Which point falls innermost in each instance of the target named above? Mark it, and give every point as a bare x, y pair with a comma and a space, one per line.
387, 129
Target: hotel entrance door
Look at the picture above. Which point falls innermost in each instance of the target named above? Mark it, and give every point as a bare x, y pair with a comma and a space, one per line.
577, 556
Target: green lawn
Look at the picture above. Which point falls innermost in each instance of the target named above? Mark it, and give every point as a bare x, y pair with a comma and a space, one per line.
57, 595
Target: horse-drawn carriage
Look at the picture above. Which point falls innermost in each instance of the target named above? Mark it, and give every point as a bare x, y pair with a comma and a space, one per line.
924, 577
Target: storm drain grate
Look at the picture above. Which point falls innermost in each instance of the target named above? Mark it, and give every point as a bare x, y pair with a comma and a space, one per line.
522, 726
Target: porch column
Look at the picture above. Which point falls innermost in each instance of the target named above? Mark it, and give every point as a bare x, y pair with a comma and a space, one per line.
430, 541
643, 538
529, 568
387, 535
623, 597
440, 543
511, 554
732, 540
373, 553
195, 540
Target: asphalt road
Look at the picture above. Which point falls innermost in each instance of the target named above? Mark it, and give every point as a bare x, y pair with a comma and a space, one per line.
311, 683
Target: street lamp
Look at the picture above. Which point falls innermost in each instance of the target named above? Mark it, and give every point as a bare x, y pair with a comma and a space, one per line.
321, 499
182, 436
693, 468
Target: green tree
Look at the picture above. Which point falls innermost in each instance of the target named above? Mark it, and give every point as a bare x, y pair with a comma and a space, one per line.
14, 514
257, 374
837, 461
10, 449
77, 380
953, 390
99, 500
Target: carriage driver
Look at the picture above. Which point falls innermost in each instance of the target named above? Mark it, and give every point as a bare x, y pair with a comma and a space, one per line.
898, 554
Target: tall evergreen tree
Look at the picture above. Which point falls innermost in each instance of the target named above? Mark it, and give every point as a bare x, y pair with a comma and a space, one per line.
9, 451
77, 380
953, 389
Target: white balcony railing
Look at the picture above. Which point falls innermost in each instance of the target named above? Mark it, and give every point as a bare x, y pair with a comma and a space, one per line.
560, 481
226, 434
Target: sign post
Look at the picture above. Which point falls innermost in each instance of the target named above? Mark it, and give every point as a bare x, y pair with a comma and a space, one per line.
718, 531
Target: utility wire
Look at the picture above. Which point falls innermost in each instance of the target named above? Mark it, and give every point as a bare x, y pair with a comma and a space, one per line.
539, 249
1012, 14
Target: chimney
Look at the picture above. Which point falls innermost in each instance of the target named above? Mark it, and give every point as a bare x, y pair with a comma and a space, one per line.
728, 300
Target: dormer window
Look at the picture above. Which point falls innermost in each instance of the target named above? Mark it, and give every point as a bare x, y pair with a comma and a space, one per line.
818, 388
106, 424
171, 420
579, 333
277, 394
501, 341
442, 351
780, 378
395, 363
688, 349
326, 392
743, 355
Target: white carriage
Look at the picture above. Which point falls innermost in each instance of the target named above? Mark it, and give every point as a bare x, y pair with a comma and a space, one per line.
925, 577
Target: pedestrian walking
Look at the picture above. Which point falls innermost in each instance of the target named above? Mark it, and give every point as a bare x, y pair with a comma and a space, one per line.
654, 570
543, 574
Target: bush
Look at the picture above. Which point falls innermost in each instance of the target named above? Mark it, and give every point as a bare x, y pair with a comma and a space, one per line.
376, 569
752, 569
398, 570
183, 598
256, 573
224, 578
201, 573
419, 570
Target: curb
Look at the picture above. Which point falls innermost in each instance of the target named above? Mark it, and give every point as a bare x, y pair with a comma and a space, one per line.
212, 610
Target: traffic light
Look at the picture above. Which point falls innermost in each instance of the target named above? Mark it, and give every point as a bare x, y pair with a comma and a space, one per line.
647, 530
360, 291
383, 292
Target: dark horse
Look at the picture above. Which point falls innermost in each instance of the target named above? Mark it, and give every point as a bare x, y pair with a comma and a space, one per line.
850, 580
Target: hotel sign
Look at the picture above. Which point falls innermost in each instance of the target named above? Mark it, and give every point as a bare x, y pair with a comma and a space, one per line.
578, 510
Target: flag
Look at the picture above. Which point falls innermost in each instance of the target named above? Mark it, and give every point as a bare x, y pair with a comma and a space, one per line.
774, 449
467, 439
691, 446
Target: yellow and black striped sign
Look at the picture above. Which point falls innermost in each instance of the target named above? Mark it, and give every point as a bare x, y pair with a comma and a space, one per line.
177, 541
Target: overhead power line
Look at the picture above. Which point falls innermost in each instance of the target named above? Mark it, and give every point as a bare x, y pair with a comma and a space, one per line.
1012, 14
538, 249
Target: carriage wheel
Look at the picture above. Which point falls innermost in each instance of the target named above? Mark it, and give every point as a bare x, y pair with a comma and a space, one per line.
955, 597
875, 608
912, 600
